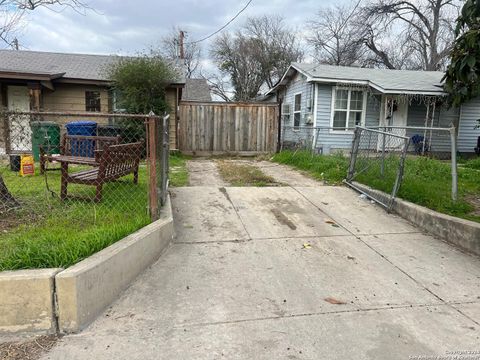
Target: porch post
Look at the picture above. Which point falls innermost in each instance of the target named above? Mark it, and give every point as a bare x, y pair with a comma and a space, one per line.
35, 92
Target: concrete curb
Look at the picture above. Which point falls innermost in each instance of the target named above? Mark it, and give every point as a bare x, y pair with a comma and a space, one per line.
459, 232
49, 301
87, 288
26, 301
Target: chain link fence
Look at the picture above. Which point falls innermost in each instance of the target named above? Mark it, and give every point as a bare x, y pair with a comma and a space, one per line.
378, 157
81, 172
432, 142
380, 153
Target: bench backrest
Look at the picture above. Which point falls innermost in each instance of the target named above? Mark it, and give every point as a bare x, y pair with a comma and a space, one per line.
85, 146
119, 160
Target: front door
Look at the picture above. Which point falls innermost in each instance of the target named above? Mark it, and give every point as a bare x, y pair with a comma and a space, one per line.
20, 131
393, 120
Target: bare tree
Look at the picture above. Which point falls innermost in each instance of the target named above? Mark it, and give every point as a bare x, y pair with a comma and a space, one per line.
219, 86
170, 49
276, 46
12, 12
423, 31
236, 56
335, 38
256, 56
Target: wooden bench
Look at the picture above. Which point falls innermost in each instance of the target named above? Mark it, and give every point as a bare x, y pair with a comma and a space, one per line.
72, 145
114, 161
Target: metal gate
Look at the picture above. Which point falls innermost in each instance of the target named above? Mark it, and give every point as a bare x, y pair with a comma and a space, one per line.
377, 159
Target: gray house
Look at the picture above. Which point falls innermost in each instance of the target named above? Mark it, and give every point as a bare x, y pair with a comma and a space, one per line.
332, 100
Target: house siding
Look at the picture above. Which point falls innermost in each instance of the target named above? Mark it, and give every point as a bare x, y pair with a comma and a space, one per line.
467, 134
298, 85
71, 98
328, 141
171, 99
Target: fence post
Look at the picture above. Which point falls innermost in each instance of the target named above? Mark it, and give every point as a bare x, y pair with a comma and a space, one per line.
353, 155
165, 157
453, 141
382, 165
398, 180
152, 159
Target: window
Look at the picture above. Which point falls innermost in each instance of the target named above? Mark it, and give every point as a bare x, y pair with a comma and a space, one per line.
92, 101
297, 110
349, 108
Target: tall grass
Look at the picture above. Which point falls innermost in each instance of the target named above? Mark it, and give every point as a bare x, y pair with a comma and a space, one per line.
51, 233
426, 182
178, 170
473, 164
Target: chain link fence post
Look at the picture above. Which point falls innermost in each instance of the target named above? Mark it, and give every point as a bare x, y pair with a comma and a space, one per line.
453, 142
399, 178
152, 161
165, 158
384, 138
354, 153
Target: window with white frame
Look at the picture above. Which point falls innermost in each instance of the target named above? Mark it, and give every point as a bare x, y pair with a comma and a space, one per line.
297, 110
348, 108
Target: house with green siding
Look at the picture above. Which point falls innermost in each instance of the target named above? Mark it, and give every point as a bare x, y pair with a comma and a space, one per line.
323, 104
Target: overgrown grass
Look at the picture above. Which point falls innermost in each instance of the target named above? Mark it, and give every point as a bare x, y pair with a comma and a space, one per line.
331, 169
472, 164
46, 233
243, 174
178, 170
51, 233
426, 182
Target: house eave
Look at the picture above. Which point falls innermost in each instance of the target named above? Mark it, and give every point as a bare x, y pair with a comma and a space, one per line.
377, 87
19, 75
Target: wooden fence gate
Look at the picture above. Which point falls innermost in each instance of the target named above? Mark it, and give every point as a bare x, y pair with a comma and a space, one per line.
221, 128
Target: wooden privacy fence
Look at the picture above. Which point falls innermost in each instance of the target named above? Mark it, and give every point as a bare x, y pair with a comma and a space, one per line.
215, 127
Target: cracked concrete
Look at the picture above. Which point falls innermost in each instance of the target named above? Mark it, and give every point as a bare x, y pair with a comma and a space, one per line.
239, 282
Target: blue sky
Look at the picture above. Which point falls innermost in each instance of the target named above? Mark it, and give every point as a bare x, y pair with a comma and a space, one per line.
127, 27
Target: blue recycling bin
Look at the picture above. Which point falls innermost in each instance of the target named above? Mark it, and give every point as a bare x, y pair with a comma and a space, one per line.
82, 147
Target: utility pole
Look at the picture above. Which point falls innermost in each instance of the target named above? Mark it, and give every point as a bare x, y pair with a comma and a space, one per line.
15, 44
182, 38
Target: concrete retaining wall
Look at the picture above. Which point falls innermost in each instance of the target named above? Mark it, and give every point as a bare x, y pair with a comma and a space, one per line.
83, 291
459, 232
26, 301
87, 288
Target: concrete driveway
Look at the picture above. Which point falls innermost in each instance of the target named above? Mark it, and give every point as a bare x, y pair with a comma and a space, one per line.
308, 272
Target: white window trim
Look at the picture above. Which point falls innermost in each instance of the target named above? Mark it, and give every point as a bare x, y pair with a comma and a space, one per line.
332, 114
299, 111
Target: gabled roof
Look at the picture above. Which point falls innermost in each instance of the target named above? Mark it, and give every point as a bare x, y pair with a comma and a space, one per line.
196, 90
383, 80
74, 66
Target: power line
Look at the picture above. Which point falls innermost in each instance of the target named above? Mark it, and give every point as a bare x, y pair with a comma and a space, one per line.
224, 26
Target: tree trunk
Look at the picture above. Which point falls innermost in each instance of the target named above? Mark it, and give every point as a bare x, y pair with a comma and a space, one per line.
7, 201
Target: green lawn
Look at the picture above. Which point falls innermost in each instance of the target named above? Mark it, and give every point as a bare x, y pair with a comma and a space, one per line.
178, 170
426, 182
45, 232
472, 164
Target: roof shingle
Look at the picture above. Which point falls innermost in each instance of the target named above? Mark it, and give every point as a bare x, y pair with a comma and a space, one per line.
75, 66
386, 79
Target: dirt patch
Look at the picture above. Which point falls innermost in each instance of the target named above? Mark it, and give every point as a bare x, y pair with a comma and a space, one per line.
242, 174
27, 350
474, 200
283, 219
